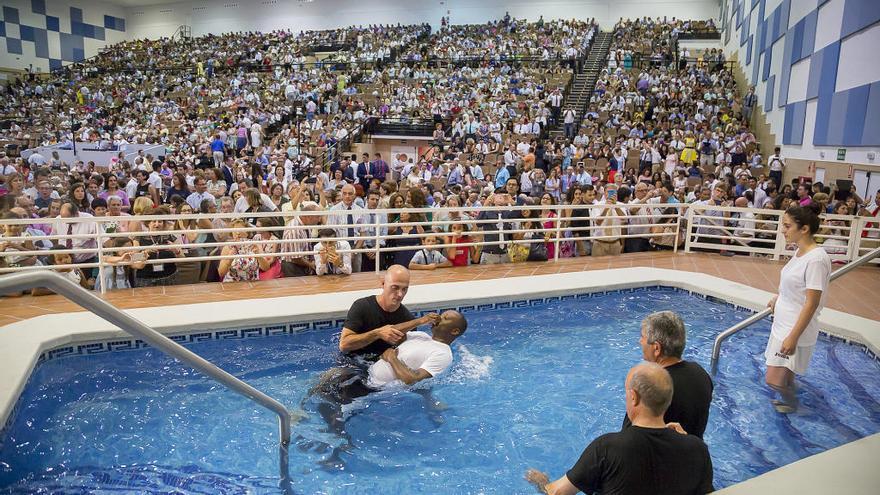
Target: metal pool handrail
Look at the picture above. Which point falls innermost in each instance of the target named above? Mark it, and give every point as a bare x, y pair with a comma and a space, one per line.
716, 348
60, 285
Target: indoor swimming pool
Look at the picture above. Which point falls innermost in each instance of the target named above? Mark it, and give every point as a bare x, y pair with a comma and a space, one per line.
534, 381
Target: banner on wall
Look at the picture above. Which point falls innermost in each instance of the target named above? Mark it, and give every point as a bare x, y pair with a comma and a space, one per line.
400, 155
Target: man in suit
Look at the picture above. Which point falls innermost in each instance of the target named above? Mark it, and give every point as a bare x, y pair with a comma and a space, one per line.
365, 171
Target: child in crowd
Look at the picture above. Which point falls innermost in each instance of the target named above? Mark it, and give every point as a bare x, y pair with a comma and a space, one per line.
429, 258
328, 260
518, 252
10, 246
461, 255
117, 275
75, 275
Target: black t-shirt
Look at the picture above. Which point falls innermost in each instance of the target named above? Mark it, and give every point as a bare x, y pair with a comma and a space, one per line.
650, 461
365, 315
691, 396
142, 190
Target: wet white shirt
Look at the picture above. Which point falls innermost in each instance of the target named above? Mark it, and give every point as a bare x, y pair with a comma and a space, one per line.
418, 351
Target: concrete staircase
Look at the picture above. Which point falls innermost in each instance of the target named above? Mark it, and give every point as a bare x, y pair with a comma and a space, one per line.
584, 83
759, 124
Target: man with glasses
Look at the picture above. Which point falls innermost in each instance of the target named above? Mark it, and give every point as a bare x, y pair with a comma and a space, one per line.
200, 194
713, 222
640, 215
45, 195
371, 259
500, 228
85, 232
347, 218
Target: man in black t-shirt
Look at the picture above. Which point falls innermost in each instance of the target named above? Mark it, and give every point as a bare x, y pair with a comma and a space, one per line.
662, 342
377, 323
373, 325
646, 458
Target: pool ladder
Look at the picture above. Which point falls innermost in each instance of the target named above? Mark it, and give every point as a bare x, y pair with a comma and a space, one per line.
716, 348
87, 300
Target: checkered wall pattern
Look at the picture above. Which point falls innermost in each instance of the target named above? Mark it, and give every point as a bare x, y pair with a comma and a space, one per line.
72, 48
844, 118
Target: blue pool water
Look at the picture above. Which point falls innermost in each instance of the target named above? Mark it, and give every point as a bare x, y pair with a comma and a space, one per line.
530, 387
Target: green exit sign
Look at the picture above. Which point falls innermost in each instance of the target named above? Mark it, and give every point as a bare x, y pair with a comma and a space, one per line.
841, 153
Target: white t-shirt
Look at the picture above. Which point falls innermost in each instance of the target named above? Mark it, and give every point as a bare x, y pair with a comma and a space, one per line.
418, 351
428, 257
241, 205
810, 271
776, 163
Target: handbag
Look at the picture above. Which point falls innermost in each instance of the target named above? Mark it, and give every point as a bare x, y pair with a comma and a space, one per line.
668, 237
537, 251
274, 271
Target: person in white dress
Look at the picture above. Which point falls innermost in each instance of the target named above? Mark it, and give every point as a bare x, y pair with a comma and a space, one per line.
256, 135
803, 286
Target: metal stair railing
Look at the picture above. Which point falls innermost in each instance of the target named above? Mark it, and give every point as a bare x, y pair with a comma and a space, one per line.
716, 347
87, 300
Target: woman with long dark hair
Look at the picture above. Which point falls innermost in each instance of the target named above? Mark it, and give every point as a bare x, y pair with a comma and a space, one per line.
179, 187
77, 195
803, 285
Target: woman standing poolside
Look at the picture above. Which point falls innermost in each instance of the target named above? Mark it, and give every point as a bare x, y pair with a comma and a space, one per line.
803, 284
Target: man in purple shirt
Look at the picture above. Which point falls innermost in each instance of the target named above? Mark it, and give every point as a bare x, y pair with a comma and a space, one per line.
380, 168
642, 86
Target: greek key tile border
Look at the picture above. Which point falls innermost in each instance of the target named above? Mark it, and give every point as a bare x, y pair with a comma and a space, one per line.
92, 348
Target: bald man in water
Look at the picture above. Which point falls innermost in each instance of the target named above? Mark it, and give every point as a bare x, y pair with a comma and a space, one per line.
377, 327
377, 323
646, 458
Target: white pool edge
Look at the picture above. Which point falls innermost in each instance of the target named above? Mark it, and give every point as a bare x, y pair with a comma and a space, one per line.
850, 469
21, 343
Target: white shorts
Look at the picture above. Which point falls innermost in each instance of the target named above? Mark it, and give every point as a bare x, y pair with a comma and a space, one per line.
797, 362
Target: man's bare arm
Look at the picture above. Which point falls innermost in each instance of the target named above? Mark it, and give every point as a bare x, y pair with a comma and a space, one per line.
393, 334
402, 371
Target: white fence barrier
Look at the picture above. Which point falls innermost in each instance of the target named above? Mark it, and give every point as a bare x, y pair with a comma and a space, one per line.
105, 243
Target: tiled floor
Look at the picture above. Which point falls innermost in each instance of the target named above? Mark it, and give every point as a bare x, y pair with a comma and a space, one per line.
857, 293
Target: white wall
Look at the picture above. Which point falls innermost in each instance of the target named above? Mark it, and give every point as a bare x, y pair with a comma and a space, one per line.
854, 69
855, 51
699, 45
218, 16
93, 13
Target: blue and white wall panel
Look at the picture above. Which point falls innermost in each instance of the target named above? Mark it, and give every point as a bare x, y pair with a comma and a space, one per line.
46, 34
816, 68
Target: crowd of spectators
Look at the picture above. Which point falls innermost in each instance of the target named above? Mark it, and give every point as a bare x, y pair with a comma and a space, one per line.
653, 135
380, 43
507, 39
483, 104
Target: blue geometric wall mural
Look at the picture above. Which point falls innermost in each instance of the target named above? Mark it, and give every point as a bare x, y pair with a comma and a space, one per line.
844, 118
72, 40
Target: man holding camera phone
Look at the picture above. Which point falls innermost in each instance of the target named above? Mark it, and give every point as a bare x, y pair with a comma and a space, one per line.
328, 260
606, 239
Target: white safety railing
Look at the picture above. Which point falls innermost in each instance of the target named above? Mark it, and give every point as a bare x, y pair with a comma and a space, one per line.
759, 232
871, 255
104, 243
